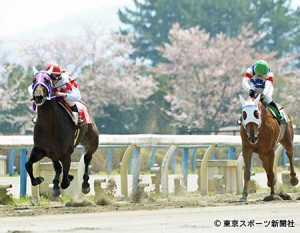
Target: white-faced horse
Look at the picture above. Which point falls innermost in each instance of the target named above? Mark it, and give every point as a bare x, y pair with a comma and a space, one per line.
260, 132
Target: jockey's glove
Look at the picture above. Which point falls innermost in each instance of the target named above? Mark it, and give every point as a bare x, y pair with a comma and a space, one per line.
252, 93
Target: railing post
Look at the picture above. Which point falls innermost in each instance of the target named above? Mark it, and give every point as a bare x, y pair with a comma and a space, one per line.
23, 174
185, 165
35, 190
194, 153
152, 157
240, 164
109, 161
136, 169
231, 152
164, 170
204, 170
124, 170
173, 162
11, 162
284, 158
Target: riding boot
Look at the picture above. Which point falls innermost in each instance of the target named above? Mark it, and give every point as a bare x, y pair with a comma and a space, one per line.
77, 119
273, 104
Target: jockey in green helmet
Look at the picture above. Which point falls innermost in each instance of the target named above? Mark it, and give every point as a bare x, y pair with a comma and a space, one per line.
259, 79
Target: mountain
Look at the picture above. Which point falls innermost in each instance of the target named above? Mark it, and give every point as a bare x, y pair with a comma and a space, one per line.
72, 25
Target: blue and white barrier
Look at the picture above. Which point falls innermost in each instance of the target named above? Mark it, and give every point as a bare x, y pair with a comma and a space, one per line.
141, 140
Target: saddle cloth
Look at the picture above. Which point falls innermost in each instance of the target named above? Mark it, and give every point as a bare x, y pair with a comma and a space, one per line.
284, 116
82, 110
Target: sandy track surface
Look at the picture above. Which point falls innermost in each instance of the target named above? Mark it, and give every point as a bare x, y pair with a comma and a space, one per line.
176, 214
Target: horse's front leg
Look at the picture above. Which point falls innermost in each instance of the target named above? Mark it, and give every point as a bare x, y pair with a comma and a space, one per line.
268, 164
66, 179
85, 185
247, 172
35, 156
58, 170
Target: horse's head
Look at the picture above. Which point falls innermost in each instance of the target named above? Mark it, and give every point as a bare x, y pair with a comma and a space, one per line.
251, 119
42, 86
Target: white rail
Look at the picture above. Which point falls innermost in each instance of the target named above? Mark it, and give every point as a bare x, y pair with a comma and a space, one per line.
148, 140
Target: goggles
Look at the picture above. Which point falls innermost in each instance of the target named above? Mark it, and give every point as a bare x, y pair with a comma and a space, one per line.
55, 77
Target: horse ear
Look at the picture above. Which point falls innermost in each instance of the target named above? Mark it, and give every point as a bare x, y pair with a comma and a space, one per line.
242, 100
256, 101
50, 70
34, 70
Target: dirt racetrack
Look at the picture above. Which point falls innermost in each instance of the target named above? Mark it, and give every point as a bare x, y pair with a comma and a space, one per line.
190, 212
193, 213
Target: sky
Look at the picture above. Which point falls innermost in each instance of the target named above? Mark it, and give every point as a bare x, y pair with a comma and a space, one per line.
18, 17
22, 16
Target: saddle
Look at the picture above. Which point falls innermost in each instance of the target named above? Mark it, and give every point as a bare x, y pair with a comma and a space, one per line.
285, 119
284, 116
83, 112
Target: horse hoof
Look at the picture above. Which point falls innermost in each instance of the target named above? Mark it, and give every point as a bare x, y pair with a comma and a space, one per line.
294, 181
85, 189
65, 185
285, 196
269, 198
56, 192
243, 199
37, 181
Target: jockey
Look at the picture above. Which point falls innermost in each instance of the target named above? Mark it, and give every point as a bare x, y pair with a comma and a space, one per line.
259, 79
64, 85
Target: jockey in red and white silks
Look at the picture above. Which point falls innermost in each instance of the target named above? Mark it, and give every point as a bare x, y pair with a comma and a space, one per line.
65, 86
69, 86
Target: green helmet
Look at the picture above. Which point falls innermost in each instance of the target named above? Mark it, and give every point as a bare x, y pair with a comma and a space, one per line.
261, 68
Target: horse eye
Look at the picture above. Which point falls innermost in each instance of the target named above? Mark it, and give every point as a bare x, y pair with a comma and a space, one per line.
47, 80
33, 80
244, 115
256, 114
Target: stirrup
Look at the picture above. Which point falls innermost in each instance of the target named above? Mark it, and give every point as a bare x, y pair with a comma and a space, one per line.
80, 122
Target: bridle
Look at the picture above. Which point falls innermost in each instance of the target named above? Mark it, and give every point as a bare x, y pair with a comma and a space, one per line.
42, 86
251, 115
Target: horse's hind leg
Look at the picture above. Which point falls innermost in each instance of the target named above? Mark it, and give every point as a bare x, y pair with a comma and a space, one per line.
289, 152
58, 170
85, 185
90, 143
35, 156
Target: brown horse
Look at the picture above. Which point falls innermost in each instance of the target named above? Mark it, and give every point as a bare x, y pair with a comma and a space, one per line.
260, 132
54, 136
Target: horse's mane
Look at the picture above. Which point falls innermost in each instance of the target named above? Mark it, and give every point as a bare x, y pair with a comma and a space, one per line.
265, 111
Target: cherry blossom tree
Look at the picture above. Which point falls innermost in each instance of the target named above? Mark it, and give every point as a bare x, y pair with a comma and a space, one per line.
205, 74
15, 103
101, 60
